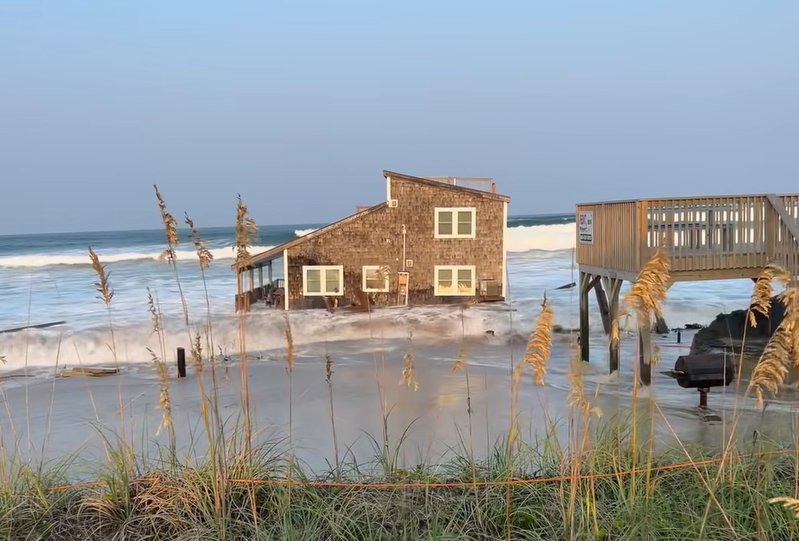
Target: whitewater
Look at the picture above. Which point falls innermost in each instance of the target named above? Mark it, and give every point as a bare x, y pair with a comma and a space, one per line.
48, 278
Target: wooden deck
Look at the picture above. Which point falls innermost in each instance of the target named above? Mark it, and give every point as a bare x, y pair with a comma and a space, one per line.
706, 238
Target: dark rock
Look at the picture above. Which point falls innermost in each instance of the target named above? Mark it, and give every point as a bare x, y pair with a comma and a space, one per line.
726, 332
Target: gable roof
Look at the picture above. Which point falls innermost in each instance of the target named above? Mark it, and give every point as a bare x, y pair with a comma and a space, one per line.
445, 186
274, 253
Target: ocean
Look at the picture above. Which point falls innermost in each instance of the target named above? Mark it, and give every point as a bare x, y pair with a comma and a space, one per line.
48, 278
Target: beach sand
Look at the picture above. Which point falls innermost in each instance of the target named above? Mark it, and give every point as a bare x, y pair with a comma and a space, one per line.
50, 418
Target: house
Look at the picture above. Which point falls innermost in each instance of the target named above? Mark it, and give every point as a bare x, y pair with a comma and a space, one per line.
432, 241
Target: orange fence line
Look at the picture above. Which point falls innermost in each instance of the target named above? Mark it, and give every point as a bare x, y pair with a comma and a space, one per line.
455, 484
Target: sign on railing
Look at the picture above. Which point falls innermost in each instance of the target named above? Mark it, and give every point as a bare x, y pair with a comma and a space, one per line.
586, 226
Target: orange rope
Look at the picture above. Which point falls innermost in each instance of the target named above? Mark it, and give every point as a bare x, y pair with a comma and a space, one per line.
454, 484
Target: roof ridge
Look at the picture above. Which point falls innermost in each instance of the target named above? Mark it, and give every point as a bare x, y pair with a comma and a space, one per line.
445, 185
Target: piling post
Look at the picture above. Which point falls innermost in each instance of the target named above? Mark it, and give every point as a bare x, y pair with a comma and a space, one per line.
602, 302
645, 352
584, 288
181, 363
614, 289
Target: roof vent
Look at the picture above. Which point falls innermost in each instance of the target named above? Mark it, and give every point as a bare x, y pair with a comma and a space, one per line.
393, 203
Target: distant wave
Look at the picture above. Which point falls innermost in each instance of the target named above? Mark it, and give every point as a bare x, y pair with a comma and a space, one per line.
523, 238
541, 237
47, 260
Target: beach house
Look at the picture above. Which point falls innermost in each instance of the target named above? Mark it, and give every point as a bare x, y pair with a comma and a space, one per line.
434, 240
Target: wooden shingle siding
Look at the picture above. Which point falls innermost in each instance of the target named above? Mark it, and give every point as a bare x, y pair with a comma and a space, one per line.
375, 238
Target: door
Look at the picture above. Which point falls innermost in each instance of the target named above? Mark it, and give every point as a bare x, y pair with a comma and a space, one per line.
402, 289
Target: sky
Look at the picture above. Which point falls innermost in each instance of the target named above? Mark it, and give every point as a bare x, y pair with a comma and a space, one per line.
300, 106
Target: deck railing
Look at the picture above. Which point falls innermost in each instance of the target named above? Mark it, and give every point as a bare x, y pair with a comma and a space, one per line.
699, 234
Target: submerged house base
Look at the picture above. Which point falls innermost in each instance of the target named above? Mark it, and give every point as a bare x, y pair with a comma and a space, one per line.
432, 241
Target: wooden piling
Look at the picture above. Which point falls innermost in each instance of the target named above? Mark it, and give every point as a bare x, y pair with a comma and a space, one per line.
645, 352
584, 288
181, 363
613, 287
602, 302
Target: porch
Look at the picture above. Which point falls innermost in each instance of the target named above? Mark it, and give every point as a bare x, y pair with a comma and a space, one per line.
252, 287
705, 238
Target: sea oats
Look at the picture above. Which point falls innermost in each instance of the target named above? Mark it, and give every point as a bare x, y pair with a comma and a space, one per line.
164, 402
246, 229
203, 254
408, 372
155, 314
197, 354
788, 503
576, 396
460, 362
328, 368
170, 228
656, 355
106, 294
781, 352
289, 344
538, 348
650, 287
763, 291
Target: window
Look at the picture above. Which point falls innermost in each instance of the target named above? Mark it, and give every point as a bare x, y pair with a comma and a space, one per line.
375, 279
455, 223
454, 280
327, 280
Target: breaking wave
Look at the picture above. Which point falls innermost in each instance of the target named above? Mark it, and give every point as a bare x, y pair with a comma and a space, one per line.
519, 239
265, 333
74, 258
548, 238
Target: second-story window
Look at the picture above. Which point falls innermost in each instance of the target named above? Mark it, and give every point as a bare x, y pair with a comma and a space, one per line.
451, 223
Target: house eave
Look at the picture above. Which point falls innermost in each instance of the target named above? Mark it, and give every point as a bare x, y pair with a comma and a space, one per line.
277, 251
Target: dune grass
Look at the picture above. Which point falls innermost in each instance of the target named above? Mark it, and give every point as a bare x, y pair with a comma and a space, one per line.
602, 482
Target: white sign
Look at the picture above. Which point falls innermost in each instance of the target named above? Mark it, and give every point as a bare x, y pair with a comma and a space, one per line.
585, 225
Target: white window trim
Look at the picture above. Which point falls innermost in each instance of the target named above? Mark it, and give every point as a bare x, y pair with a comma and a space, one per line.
455, 269
363, 280
323, 268
455, 211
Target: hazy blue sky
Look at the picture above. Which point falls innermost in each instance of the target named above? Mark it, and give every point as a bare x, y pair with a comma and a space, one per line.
299, 106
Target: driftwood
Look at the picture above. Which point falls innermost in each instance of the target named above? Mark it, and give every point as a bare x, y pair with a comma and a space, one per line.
39, 326
91, 372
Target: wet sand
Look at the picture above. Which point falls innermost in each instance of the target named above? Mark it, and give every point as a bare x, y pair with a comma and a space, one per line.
50, 418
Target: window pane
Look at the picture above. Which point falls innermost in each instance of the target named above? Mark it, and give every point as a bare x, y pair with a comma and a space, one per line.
331, 281
374, 280
445, 222
445, 280
465, 279
464, 222
313, 281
